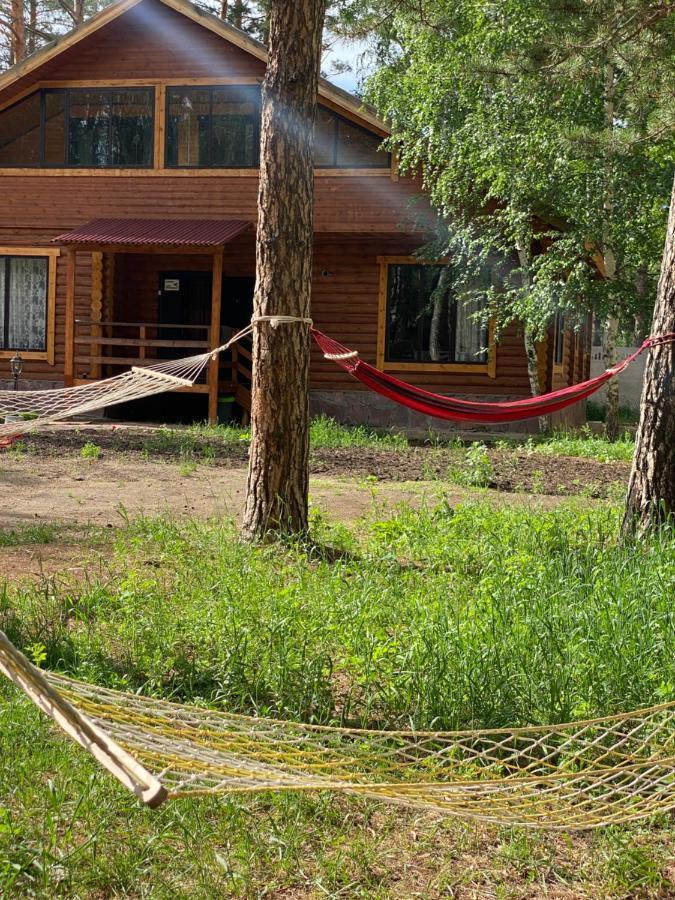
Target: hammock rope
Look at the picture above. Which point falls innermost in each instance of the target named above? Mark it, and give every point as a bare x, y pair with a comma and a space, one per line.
572, 776
455, 409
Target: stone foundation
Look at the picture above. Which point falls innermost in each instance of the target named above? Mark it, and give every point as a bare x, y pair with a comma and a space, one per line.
368, 408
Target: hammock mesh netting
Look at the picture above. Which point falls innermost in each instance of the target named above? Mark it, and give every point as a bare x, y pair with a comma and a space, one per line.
570, 776
30, 410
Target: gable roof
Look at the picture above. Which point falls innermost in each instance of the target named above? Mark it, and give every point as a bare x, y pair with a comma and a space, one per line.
235, 36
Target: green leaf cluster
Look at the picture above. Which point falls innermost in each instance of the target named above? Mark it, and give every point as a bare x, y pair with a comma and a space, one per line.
548, 126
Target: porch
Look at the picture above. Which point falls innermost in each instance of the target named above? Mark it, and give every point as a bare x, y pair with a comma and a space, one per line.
160, 290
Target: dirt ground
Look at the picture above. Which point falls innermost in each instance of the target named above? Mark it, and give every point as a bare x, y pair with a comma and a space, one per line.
511, 469
50, 483
101, 492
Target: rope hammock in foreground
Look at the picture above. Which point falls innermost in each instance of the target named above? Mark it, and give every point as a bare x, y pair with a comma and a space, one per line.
565, 777
456, 410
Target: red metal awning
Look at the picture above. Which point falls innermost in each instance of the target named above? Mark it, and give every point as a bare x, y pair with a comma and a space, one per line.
156, 232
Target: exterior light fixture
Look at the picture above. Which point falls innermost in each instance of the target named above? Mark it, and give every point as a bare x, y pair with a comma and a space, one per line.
16, 365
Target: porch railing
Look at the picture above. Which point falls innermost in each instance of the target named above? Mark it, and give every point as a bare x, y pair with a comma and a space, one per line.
102, 349
126, 344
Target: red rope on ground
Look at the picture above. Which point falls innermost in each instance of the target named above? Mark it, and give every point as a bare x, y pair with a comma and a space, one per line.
453, 408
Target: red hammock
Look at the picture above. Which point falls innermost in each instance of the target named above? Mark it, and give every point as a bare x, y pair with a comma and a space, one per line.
457, 410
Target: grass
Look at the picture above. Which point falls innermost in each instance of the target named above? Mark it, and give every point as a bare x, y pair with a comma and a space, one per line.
438, 617
204, 443
585, 444
443, 617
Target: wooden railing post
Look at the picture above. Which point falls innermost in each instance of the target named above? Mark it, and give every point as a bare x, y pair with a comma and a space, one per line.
214, 335
69, 361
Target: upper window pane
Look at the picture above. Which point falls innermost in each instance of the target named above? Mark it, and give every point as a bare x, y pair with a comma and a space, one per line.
213, 127
89, 129
325, 133
345, 145
187, 143
83, 128
55, 128
427, 322
357, 148
234, 117
131, 128
20, 133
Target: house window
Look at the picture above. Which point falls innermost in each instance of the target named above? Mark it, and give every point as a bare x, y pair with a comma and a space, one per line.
213, 127
427, 321
341, 144
24, 301
97, 128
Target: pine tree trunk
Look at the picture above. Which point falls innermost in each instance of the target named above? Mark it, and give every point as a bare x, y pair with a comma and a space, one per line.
18, 31
278, 475
651, 489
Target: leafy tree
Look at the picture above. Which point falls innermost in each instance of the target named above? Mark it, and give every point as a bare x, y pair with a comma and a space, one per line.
536, 126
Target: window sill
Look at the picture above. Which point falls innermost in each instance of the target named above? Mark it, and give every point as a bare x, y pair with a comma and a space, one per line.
36, 171
42, 355
464, 368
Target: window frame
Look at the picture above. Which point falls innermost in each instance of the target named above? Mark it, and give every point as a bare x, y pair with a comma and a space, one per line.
210, 88
66, 91
488, 367
337, 117
51, 254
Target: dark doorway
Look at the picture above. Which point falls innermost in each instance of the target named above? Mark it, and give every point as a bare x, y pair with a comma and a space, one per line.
185, 298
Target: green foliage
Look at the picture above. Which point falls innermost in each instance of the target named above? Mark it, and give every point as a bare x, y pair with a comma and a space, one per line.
326, 432
451, 617
90, 450
440, 617
525, 118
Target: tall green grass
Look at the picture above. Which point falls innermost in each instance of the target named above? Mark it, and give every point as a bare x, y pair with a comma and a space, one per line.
439, 617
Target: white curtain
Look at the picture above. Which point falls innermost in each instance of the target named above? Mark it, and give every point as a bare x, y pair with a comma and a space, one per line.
471, 335
27, 302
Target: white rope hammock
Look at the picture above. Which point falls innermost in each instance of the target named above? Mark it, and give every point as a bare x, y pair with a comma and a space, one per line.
564, 777
30, 410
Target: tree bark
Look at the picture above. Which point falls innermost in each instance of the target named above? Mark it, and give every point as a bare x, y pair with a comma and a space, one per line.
529, 342
278, 474
18, 31
610, 335
651, 489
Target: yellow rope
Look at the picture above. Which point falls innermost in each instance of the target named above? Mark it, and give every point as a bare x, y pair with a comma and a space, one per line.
568, 776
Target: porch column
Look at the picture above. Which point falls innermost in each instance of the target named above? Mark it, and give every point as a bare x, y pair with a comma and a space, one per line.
69, 362
214, 334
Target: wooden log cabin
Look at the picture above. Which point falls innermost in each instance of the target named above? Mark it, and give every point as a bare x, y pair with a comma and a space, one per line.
128, 167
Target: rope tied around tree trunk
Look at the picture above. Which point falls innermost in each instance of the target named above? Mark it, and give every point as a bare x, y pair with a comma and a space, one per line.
274, 321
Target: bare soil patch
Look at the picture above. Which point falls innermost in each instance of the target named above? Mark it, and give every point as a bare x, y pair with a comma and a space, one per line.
511, 470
